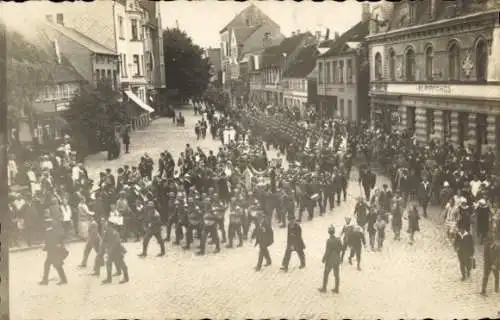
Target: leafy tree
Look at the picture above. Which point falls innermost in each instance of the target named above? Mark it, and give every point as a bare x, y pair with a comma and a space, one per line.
187, 71
92, 116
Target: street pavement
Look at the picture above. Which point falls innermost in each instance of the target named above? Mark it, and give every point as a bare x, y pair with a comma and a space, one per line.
401, 281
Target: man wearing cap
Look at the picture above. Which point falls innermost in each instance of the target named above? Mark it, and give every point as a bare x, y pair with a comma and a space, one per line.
294, 243
235, 219
56, 252
332, 260
93, 242
112, 246
153, 229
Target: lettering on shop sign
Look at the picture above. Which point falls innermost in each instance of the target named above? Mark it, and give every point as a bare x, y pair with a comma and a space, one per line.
434, 88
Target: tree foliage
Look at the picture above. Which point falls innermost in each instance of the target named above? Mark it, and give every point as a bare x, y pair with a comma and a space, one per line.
92, 116
216, 96
187, 71
28, 69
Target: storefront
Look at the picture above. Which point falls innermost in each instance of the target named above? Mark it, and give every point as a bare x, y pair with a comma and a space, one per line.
462, 114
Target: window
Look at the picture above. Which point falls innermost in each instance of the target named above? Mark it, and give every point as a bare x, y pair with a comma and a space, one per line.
320, 72
137, 64
109, 75
97, 74
327, 71
392, 65
135, 33
120, 27
412, 12
103, 74
349, 110
349, 71
124, 65
378, 66
341, 71
447, 124
334, 72
410, 65
429, 57
454, 62
67, 91
481, 60
430, 122
341, 108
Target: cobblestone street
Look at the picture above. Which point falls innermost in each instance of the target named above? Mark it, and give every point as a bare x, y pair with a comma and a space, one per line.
402, 281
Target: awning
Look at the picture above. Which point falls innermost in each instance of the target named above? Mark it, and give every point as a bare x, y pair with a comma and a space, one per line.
138, 101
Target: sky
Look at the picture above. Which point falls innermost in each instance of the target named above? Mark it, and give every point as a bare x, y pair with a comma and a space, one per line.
202, 20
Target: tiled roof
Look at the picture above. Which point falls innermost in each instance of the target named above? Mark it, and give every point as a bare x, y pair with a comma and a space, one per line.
273, 55
356, 34
240, 19
303, 64
81, 39
242, 33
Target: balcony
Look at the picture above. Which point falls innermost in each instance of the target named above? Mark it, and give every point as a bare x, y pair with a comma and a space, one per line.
482, 91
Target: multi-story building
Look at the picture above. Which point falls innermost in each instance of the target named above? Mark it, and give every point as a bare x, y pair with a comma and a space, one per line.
275, 61
96, 63
435, 70
244, 34
213, 55
299, 87
120, 26
42, 124
343, 74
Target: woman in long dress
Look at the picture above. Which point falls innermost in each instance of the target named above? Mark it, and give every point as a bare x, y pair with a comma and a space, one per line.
451, 217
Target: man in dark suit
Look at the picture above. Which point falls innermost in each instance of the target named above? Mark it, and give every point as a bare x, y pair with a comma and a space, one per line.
294, 243
112, 246
265, 238
331, 259
424, 192
56, 252
126, 140
491, 263
153, 229
464, 246
368, 180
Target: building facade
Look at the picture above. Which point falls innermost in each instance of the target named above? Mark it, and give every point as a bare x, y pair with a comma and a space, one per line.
342, 76
96, 63
435, 70
266, 83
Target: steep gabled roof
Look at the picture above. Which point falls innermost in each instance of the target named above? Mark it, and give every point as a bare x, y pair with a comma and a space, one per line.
273, 56
303, 64
243, 33
240, 19
81, 39
356, 34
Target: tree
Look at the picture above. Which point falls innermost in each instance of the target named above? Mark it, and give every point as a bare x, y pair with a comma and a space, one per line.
187, 71
92, 116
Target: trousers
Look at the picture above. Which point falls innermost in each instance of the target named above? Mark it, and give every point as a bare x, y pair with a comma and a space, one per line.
336, 274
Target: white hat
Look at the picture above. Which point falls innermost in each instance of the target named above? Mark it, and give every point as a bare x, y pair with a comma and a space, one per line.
446, 184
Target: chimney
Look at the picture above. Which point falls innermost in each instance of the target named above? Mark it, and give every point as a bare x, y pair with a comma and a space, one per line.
58, 53
318, 35
60, 19
365, 11
327, 35
49, 18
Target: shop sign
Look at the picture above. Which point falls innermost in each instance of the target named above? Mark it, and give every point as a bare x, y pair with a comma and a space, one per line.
62, 106
434, 88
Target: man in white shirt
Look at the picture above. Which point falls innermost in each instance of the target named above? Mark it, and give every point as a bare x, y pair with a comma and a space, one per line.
67, 214
475, 186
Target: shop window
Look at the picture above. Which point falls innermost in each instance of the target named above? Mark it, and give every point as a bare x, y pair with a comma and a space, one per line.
481, 60
447, 124
378, 66
411, 119
481, 129
430, 122
392, 65
454, 62
463, 127
429, 59
410, 65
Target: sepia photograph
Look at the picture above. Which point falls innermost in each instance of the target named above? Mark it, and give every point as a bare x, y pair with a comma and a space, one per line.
250, 160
